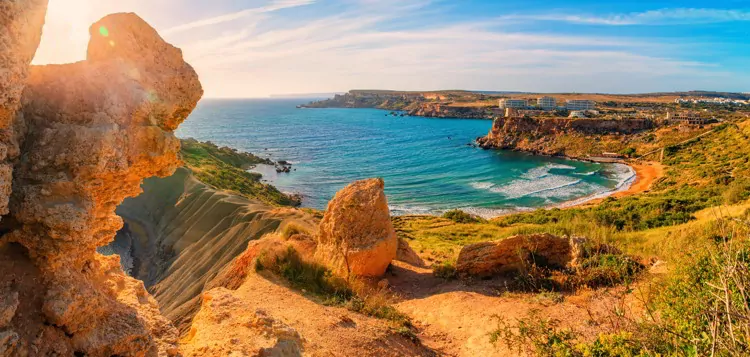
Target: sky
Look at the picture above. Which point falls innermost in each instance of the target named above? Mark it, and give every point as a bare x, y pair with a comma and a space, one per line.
257, 48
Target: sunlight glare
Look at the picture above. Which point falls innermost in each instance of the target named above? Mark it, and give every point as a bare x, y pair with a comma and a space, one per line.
65, 33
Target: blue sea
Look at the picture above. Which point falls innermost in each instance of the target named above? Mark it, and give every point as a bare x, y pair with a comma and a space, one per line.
426, 163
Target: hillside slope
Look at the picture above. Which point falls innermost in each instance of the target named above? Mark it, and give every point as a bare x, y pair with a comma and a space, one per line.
184, 232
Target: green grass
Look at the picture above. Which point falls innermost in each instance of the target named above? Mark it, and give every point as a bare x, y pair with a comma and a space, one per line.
317, 280
701, 309
226, 169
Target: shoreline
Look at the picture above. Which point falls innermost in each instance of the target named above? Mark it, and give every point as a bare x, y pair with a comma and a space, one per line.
643, 175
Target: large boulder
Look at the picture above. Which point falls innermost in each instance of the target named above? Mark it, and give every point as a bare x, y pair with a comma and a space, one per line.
516, 253
356, 235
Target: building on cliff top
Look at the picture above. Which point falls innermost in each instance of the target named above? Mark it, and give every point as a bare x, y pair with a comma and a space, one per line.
546, 103
691, 118
580, 104
513, 103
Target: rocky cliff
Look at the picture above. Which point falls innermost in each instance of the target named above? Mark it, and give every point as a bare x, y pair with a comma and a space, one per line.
416, 104
437, 110
88, 133
557, 136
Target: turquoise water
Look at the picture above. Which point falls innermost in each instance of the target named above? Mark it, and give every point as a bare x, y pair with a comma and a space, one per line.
426, 163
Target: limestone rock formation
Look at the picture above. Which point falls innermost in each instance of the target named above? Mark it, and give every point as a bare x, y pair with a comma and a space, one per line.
91, 132
229, 326
407, 255
21, 23
538, 135
515, 253
356, 236
8, 306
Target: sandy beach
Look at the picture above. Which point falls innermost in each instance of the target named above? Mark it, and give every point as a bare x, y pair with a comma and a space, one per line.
646, 173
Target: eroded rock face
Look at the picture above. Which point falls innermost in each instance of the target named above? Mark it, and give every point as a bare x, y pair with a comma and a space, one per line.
21, 23
356, 234
515, 253
91, 132
8, 306
407, 255
229, 326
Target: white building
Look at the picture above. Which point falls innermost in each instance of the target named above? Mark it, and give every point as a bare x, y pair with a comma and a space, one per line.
577, 114
546, 103
580, 104
513, 103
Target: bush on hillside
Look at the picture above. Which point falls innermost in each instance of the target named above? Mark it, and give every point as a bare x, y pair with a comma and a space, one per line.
445, 270
704, 309
459, 216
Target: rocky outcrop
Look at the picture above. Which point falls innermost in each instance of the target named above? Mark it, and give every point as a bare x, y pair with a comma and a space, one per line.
407, 255
516, 253
539, 135
439, 110
356, 236
91, 132
21, 23
229, 326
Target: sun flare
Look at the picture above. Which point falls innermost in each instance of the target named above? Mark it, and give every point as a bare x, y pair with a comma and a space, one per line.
65, 32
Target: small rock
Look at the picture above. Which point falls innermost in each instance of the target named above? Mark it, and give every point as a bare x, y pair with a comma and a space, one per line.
8, 342
8, 306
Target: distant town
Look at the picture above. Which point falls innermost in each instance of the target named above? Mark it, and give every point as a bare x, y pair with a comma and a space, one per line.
680, 108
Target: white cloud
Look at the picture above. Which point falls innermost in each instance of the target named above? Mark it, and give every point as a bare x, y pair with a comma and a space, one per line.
653, 17
216, 20
355, 50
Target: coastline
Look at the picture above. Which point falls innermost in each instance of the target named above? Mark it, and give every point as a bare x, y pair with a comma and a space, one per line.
642, 177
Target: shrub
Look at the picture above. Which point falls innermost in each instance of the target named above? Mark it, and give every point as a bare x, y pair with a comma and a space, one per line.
459, 216
313, 278
737, 192
291, 230
445, 270
605, 270
534, 335
317, 280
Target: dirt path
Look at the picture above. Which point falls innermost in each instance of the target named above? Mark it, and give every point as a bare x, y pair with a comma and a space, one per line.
456, 318
326, 330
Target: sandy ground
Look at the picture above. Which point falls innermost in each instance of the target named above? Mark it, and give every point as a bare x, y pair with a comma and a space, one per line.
646, 174
456, 318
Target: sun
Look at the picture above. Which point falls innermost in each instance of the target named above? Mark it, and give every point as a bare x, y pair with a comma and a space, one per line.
65, 34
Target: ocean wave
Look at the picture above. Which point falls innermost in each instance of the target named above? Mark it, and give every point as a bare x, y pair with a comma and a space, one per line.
524, 187
482, 185
586, 173
489, 213
544, 170
404, 210
627, 176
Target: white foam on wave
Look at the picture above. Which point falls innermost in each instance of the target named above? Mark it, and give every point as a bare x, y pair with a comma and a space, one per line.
489, 213
482, 185
404, 210
587, 173
544, 170
625, 175
525, 187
